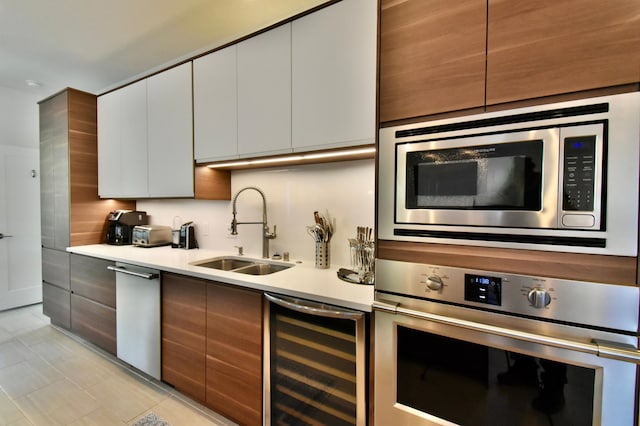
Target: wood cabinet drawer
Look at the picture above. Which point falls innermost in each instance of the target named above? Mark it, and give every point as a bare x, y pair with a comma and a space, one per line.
91, 278
56, 304
94, 322
55, 267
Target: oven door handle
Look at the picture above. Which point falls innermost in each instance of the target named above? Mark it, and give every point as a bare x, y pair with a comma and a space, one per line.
604, 349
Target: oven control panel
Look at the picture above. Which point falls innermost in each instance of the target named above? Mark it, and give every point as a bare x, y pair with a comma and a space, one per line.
579, 302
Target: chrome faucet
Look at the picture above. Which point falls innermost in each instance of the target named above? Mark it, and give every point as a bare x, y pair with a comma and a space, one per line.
266, 235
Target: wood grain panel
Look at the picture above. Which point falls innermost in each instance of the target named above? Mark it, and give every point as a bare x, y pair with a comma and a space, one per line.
184, 321
583, 267
184, 369
88, 212
55, 267
234, 352
56, 304
432, 57
544, 47
94, 322
184, 317
91, 278
234, 392
212, 184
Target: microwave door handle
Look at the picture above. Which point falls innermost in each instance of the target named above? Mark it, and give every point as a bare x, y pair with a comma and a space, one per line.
602, 349
313, 308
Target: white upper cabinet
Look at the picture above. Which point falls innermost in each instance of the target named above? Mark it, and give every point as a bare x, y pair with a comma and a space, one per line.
122, 142
170, 133
145, 138
334, 76
264, 93
215, 105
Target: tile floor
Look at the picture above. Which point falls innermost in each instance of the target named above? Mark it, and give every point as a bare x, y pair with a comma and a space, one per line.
48, 377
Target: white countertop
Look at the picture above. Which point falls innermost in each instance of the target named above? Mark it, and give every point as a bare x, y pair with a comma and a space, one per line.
302, 280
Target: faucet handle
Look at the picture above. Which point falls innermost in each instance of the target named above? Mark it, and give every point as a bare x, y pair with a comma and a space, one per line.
240, 253
270, 235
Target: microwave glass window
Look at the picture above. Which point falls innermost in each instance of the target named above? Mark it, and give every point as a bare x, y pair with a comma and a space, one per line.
438, 375
504, 176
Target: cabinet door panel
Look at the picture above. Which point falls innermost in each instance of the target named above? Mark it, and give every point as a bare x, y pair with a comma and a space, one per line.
122, 142
91, 278
264, 93
334, 76
170, 133
234, 352
95, 322
432, 57
184, 303
56, 304
215, 105
545, 47
55, 267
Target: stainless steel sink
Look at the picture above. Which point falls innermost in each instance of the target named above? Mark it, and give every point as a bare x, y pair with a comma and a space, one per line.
242, 265
225, 264
262, 268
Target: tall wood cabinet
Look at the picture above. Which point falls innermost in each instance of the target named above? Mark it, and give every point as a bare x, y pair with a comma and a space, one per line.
438, 56
71, 212
212, 345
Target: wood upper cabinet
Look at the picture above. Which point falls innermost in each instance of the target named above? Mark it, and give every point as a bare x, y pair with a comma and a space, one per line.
264, 93
184, 321
432, 57
545, 47
234, 353
334, 76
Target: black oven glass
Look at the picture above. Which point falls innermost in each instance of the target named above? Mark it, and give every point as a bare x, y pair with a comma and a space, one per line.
472, 384
506, 176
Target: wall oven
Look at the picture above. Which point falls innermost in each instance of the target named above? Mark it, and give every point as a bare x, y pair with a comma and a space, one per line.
559, 177
472, 347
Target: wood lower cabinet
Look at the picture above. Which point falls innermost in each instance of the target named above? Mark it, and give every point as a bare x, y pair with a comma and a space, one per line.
212, 345
234, 353
56, 304
93, 301
184, 321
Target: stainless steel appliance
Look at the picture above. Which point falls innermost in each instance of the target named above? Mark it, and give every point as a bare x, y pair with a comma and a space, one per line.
138, 317
558, 177
314, 363
151, 235
462, 346
188, 236
120, 224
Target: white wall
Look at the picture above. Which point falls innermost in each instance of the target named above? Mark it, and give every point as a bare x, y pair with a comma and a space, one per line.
344, 189
18, 119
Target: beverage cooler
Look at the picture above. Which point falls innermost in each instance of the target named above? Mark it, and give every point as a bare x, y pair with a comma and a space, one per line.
314, 364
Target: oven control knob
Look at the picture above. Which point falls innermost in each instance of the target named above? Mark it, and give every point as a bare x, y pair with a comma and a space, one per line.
539, 298
434, 282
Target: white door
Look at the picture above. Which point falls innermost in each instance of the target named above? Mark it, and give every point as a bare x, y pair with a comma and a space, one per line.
20, 255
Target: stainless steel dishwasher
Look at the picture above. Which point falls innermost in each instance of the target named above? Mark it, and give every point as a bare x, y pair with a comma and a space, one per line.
314, 363
138, 317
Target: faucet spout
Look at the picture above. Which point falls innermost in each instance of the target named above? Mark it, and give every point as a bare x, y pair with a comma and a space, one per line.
265, 233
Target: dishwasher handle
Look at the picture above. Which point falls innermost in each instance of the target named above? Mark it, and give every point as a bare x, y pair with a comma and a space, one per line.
313, 308
123, 270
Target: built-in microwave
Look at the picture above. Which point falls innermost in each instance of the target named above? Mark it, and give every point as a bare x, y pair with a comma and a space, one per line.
559, 177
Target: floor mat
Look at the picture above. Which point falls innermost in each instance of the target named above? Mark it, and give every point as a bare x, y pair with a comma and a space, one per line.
151, 419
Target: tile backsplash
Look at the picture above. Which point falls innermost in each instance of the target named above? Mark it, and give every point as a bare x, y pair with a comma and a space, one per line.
346, 190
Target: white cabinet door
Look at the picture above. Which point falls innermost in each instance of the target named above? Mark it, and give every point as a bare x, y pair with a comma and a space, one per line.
215, 105
264, 93
334, 76
170, 133
122, 142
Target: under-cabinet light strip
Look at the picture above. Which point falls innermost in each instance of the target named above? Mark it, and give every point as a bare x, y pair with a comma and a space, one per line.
281, 159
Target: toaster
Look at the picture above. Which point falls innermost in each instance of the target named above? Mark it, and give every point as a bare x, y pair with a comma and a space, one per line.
151, 235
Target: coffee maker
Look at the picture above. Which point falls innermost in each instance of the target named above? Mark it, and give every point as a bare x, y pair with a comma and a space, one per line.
120, 225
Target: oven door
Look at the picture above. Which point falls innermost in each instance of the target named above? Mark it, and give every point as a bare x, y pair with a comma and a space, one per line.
432, 370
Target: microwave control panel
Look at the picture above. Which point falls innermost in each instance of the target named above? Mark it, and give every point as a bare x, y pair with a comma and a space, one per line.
579, 173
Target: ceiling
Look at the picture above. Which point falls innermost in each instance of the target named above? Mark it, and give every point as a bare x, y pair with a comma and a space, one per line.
96, 45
